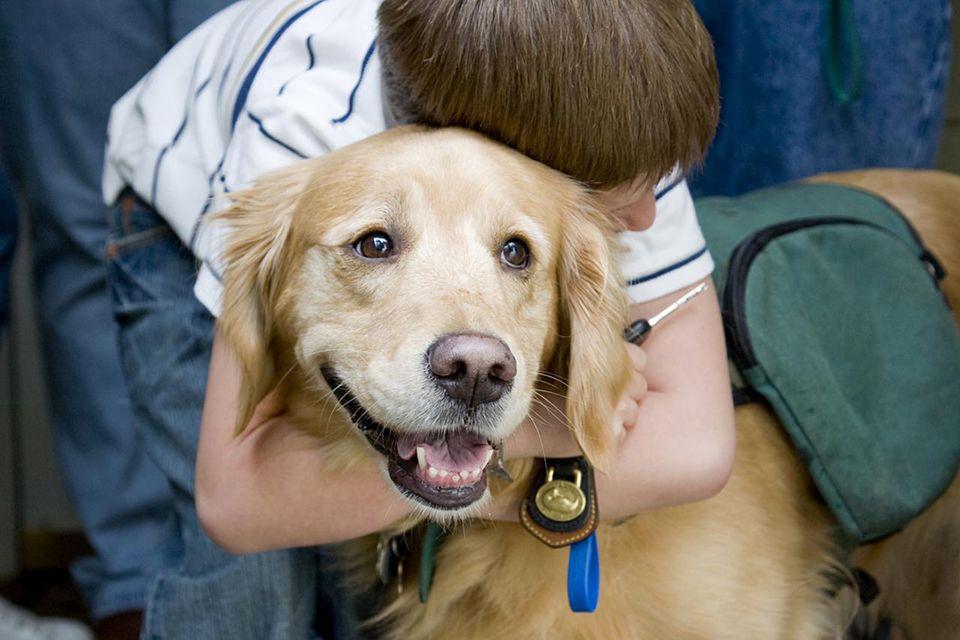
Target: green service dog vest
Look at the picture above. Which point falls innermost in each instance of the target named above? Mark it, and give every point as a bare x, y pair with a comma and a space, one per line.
834, 317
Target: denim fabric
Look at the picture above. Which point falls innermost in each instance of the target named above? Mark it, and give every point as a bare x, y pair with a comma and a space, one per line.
779, 120
8, 241
62, 65
165, 340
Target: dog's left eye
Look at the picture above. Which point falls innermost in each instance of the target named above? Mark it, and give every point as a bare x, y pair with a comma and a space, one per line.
515, 254
376, 245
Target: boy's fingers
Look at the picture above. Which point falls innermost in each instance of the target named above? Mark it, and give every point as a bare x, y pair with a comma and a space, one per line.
628, 412
637, 387
638, 357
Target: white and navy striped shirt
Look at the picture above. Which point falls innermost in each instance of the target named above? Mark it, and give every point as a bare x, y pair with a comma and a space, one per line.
265, 83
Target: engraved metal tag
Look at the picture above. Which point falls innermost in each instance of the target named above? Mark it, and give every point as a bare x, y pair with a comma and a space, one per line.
561, 500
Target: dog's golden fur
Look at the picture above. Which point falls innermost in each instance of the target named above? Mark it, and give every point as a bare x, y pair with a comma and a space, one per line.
754, 562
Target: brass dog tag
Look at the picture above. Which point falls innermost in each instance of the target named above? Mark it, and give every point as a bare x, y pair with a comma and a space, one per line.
561, 500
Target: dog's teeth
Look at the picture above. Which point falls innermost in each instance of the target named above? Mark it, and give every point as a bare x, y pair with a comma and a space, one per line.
486, 460
443, 473
432, 472
476, 474
455, 477
422, 457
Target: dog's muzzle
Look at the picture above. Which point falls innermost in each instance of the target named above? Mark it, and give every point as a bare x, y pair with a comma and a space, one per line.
442, 469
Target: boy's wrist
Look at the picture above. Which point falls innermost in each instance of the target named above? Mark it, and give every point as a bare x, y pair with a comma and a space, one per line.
520, 443
540, 440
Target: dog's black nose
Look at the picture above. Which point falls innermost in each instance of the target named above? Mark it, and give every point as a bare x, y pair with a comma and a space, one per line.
471, 367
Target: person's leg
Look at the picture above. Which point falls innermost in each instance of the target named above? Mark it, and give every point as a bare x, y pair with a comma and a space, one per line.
65, 63
15, 622
781, 120
165, 341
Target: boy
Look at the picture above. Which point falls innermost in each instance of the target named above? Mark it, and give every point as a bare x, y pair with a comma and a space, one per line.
617, 93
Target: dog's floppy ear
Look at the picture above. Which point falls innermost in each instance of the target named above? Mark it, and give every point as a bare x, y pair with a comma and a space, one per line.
255, 261
593, 312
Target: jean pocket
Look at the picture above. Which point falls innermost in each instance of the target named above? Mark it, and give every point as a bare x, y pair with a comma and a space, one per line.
147, 264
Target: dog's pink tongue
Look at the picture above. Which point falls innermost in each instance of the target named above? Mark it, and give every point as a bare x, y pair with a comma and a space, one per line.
452, 451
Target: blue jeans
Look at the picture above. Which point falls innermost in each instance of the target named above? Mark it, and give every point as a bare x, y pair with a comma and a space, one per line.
165, 341
62, 65
780, 120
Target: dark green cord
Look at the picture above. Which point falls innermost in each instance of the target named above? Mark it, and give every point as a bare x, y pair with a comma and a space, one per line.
432, 537
843, 44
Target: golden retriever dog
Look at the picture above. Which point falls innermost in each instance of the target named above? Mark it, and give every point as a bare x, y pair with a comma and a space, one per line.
358, 280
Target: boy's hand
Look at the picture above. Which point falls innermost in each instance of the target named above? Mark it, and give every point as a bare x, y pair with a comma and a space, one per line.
545, 432
636, 390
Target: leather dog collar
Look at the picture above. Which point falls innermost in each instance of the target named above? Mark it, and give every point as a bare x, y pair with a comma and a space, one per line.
561, 507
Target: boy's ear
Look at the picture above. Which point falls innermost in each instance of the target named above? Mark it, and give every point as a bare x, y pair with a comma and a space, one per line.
256, 263
593, 312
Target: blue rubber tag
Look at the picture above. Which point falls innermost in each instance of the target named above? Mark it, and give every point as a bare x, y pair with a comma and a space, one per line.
583, 576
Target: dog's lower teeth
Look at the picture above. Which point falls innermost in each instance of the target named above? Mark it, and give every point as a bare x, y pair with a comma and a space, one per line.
456, 477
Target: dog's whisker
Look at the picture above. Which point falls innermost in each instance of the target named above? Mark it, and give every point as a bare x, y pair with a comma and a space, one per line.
546, 392
286, 374
550, 379
551, 410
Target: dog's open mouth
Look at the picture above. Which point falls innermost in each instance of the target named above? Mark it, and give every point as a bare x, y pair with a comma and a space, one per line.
441, 469
445, 469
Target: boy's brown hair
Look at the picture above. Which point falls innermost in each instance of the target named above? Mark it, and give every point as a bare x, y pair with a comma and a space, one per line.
602, 90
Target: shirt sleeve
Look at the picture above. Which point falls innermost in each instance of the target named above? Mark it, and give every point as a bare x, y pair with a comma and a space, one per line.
671, 254
318, 90
209, 289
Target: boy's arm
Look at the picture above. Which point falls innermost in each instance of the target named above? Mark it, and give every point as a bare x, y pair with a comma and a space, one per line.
680, 448
267, 488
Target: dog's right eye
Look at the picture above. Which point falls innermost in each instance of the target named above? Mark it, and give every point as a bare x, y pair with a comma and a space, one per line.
376, 245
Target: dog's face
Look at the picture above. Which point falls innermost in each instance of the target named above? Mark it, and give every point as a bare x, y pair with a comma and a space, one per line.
421, 279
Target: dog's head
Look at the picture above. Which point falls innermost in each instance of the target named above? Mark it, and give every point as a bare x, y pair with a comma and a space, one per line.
423, 280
